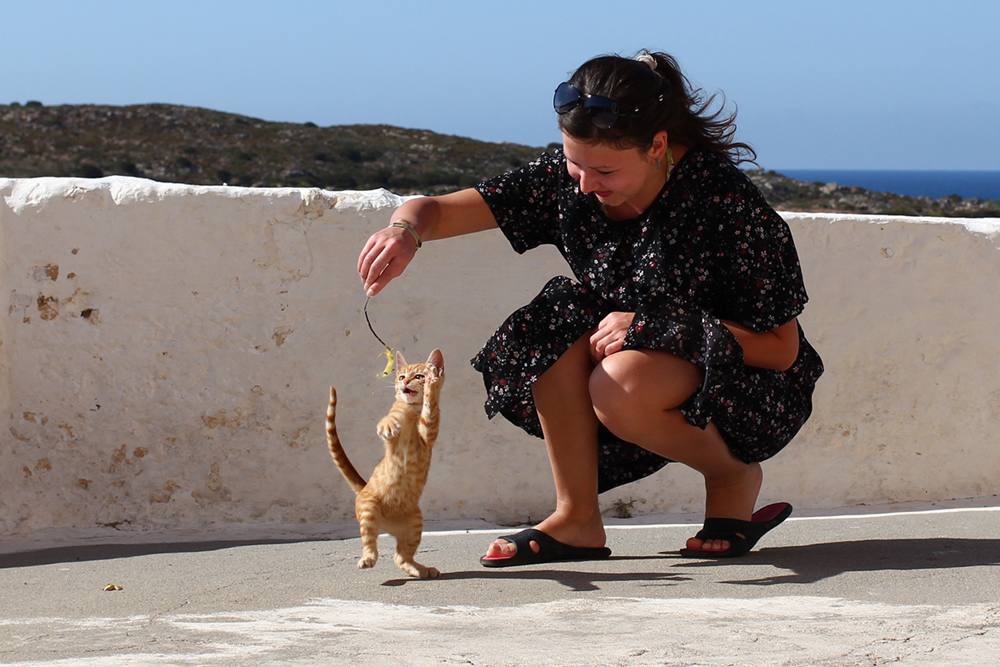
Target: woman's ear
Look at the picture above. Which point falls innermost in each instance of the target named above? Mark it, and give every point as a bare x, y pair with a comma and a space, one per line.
658, 149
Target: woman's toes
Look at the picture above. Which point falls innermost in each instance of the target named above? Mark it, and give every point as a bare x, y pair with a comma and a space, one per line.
505, 549
695, 544
501, 549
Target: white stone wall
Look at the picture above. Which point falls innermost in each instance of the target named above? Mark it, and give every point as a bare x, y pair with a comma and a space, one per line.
167, 351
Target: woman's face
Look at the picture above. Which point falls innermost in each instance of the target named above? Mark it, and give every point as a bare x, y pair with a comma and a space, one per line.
616, 176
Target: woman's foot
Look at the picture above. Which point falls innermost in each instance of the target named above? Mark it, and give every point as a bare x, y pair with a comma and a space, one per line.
580, 532
732, 497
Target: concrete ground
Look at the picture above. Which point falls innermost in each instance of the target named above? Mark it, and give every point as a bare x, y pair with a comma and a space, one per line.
919, 587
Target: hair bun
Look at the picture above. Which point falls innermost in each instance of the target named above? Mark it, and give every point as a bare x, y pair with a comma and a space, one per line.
647, 57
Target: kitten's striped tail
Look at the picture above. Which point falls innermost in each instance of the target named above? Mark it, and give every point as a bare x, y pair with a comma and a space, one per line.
347, 468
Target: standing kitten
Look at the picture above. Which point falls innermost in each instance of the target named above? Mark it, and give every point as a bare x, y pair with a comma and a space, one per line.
390, 500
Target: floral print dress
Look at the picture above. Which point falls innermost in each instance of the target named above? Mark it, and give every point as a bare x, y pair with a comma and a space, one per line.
709, 248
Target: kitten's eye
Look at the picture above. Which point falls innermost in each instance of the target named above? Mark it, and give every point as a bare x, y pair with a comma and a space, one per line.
401, 378
418, 376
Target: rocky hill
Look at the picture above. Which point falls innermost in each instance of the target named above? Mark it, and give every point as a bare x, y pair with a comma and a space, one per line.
789, 194
199, 146
191, 145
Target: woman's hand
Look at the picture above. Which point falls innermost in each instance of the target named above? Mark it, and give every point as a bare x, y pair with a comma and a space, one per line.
386, 254
609, 336
390, 250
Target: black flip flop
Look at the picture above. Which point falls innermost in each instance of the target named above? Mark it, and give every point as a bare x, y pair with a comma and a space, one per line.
741, 535
550, 550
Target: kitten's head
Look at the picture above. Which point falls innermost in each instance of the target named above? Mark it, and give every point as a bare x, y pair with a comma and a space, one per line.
410, 377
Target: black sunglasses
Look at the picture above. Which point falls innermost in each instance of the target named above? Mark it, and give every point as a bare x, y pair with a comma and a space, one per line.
603, 111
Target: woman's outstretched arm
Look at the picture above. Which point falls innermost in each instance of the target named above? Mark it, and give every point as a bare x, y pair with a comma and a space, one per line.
388, 251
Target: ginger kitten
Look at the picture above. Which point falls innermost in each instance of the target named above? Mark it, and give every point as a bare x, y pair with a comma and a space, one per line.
390, 500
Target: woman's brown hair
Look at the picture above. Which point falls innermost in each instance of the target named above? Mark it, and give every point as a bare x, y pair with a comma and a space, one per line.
652, 99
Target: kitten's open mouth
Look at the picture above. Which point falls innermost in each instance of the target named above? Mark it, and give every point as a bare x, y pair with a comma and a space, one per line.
409, 392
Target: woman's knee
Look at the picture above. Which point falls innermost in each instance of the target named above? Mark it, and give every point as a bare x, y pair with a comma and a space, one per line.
627, 386
614, 395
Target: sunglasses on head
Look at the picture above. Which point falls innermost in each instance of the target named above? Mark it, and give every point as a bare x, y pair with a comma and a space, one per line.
603, 111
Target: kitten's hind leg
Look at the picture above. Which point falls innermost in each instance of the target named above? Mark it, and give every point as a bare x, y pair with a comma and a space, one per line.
407, 542
369, 538
408, 565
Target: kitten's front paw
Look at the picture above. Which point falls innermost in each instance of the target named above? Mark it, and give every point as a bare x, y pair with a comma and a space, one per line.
388, 428
367, 562
434, 374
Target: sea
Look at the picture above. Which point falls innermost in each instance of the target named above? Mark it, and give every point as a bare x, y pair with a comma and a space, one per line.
936, 184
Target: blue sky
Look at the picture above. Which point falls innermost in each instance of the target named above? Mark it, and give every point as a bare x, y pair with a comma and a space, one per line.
875, 84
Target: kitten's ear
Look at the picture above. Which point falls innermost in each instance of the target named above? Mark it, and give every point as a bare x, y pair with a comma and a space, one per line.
400, 361
436, 359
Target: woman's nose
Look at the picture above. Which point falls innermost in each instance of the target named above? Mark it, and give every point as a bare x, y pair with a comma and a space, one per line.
587, 183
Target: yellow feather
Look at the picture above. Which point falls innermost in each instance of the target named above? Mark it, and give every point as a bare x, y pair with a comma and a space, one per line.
391, 361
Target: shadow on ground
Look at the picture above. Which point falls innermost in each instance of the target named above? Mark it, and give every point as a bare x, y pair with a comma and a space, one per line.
808, 564
805, 564
92, 552
574, 580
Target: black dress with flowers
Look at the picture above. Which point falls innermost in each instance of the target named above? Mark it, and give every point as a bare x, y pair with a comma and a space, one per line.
709, 248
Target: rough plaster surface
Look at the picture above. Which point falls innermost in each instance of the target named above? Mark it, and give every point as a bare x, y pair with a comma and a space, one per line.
167, 350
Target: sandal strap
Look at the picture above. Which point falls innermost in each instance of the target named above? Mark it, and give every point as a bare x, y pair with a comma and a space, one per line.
730, 530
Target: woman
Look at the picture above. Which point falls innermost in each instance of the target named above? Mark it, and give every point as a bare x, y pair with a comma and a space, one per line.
678, 340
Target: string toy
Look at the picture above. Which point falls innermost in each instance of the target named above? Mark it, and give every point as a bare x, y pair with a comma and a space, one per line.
391, 358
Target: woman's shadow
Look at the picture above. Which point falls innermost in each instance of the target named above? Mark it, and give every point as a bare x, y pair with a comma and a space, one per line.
572, 577
808, 564
804, 564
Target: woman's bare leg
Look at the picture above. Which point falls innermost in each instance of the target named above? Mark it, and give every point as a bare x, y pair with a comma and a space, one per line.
569, 424
636, 394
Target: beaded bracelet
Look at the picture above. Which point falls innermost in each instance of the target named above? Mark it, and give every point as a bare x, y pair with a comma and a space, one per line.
408, 227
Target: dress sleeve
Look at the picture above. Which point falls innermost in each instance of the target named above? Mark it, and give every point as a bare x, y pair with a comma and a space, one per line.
524, 201
761, 280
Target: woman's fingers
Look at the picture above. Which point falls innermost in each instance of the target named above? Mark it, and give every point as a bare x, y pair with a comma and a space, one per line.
363, 258
366, 260
609, 336
384, 257
392, 269
615, 345
605, 341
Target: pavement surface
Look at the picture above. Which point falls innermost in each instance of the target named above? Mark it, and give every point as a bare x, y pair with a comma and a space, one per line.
903, 587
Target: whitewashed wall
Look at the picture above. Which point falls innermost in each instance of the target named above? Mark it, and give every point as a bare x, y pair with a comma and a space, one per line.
166, 354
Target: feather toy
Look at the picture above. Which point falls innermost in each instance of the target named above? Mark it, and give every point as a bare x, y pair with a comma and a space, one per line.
390, 357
